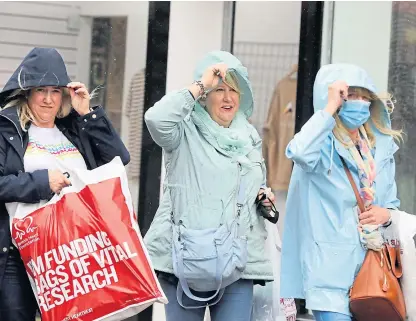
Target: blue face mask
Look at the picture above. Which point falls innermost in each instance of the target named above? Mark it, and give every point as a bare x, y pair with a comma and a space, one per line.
354, 113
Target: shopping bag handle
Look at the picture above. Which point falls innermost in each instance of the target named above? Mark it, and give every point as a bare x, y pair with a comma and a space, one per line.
67, 176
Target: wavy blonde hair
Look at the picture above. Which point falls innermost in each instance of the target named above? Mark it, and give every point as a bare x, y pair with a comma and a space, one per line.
379, 105
232, 81
19, 98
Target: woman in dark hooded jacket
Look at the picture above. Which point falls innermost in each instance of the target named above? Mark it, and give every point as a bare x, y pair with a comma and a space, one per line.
46, 125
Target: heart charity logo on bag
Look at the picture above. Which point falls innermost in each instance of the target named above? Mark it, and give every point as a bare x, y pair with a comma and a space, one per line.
23, 227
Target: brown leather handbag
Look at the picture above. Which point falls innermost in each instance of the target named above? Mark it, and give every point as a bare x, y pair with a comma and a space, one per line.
376, 294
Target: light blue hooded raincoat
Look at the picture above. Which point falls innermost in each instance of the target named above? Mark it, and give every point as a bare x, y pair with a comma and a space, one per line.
321, 251
201, 183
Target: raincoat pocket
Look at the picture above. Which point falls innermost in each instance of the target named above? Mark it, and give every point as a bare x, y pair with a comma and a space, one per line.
385, 164
386, 160
331, 266
384, 181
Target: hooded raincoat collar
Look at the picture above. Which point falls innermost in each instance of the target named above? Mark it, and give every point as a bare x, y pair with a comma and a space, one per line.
354, 76
215, 57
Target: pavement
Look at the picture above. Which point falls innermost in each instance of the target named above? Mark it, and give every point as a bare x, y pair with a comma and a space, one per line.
159, 315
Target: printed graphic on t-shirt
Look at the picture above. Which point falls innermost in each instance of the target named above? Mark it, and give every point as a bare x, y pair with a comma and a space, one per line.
62, 150
49, 149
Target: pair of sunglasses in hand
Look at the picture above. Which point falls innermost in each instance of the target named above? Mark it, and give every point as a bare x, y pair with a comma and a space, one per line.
266, 211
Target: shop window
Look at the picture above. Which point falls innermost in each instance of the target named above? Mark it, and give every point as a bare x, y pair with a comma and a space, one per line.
402, 84
108, 52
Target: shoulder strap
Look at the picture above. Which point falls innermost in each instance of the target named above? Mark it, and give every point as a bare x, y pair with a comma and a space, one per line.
354, 186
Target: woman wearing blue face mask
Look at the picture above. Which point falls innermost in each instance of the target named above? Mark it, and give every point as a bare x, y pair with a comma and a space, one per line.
325, 237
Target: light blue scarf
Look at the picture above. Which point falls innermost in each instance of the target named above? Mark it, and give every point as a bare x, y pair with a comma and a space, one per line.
234, 141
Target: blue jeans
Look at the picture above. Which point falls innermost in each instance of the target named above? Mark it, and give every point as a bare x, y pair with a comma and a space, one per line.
235, 305
330, 316
17, 301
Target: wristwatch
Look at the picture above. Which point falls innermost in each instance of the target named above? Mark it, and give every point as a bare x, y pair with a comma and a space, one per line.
388, 223
202, 90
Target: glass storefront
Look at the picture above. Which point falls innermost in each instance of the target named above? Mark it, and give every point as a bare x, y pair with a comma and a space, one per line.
402, 84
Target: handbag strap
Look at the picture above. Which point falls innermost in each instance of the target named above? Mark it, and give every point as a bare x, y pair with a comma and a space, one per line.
394, 258
183, 287
354, 187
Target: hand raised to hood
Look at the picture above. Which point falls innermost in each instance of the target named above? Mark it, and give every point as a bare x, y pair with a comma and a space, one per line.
211, 76
80, 98
210, 79
337, 92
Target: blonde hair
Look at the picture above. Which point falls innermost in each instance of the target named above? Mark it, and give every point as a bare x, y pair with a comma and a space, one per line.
19, 98
231, 80
379, 105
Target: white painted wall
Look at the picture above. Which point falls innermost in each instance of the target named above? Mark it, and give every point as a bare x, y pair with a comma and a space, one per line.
361, 35
327, 30
195, 29
267, 21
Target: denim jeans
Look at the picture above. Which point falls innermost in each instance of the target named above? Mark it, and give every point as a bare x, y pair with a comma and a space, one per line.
17, 301
330, 316
235, 305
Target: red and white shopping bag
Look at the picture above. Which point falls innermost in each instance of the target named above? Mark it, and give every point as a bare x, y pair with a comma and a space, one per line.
83, 250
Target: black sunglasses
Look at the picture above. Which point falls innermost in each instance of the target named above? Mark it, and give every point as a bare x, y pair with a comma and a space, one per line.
265, 211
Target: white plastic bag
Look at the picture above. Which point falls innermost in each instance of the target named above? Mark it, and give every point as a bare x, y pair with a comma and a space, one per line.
402, 232
267, 304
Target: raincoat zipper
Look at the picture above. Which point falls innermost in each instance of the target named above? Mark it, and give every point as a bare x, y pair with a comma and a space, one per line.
239, 206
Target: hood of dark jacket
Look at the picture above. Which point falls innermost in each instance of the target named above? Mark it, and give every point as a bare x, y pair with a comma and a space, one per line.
41, 67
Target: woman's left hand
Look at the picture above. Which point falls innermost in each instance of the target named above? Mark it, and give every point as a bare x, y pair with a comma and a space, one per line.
269, 195
375, 215
80, 98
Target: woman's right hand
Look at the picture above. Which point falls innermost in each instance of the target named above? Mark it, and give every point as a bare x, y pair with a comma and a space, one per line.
337, 92
210, 78
57, 181
212, 74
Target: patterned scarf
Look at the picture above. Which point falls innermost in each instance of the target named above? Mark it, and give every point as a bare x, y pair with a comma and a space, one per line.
370, 236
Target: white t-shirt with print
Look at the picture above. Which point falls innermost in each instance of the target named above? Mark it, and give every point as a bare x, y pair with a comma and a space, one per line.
48, 149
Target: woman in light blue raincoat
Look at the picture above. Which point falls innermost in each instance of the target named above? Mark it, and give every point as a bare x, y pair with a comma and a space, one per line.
325, 237
214, 172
